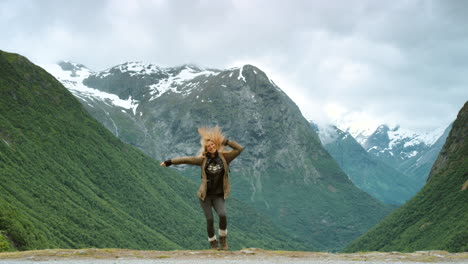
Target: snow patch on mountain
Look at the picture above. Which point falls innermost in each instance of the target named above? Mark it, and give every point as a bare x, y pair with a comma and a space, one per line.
412, 138
241, 77
431, 137
396, 134
372, 148
132, 68
73, 81
75, 74
173, 82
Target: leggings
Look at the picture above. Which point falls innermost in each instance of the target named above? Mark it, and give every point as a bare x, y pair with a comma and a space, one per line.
216, 202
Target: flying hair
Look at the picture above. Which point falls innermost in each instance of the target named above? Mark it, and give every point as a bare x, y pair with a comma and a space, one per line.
213, 134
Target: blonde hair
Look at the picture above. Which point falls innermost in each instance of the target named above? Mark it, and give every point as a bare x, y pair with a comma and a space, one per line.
213, 134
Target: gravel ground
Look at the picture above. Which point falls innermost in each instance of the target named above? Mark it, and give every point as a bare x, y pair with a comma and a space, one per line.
245, 256
205, 261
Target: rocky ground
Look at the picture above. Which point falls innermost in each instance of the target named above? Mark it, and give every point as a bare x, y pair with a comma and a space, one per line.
250, 255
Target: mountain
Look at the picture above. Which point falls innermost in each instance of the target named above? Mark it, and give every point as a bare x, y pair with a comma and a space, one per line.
366, 171
437, 217
410, 153
419, 166
67, 182
284, 171
396, 144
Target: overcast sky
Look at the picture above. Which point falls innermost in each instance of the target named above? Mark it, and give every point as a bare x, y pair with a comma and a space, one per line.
396, 62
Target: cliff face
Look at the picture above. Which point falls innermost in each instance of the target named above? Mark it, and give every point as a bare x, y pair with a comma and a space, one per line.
437, 217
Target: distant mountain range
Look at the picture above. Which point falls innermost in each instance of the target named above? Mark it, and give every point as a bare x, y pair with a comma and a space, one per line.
409, 152
284, 172
368, 173
437, 217
390, 164
396, 146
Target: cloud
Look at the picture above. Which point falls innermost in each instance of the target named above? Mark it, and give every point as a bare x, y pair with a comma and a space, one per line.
397, 61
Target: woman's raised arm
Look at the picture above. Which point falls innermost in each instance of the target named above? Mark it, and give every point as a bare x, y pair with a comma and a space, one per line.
236, 150
191, 160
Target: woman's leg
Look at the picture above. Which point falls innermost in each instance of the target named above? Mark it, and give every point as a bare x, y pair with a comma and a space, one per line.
206, 205
220, 208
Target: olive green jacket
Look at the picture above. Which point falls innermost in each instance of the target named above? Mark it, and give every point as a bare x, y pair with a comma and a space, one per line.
226, 157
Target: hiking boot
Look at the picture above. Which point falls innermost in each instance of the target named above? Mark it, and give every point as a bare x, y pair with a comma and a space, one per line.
214, 244
223, 243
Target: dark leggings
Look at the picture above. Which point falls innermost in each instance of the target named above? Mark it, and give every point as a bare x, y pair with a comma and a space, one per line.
216, 202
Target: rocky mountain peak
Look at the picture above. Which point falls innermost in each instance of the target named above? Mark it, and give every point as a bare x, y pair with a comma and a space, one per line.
74, 70
71, 66
382, 129
379, 139
135, 68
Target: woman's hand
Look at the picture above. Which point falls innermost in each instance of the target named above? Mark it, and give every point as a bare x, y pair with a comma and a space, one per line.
166, 163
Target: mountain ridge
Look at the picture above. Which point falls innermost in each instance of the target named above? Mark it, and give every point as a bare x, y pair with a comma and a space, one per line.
411, 154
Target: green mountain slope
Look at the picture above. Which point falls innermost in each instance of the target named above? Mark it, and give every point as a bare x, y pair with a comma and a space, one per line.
66, 181
437, 217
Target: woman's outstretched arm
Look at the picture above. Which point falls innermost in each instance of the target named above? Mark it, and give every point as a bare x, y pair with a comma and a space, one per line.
236, 150
192, 160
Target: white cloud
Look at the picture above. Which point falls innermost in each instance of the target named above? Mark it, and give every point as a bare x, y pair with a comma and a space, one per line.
398, 61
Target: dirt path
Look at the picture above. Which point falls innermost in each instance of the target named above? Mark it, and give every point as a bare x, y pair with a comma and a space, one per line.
249, 256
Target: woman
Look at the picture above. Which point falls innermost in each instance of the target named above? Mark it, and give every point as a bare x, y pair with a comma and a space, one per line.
215, 187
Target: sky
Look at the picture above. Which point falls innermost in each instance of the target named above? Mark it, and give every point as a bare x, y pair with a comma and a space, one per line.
363, 62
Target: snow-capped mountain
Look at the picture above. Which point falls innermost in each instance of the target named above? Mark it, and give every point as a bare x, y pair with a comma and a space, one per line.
366, 171
282, 155
409, 152
149, 80
390, 143
398, 143
362, 130
390, 164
